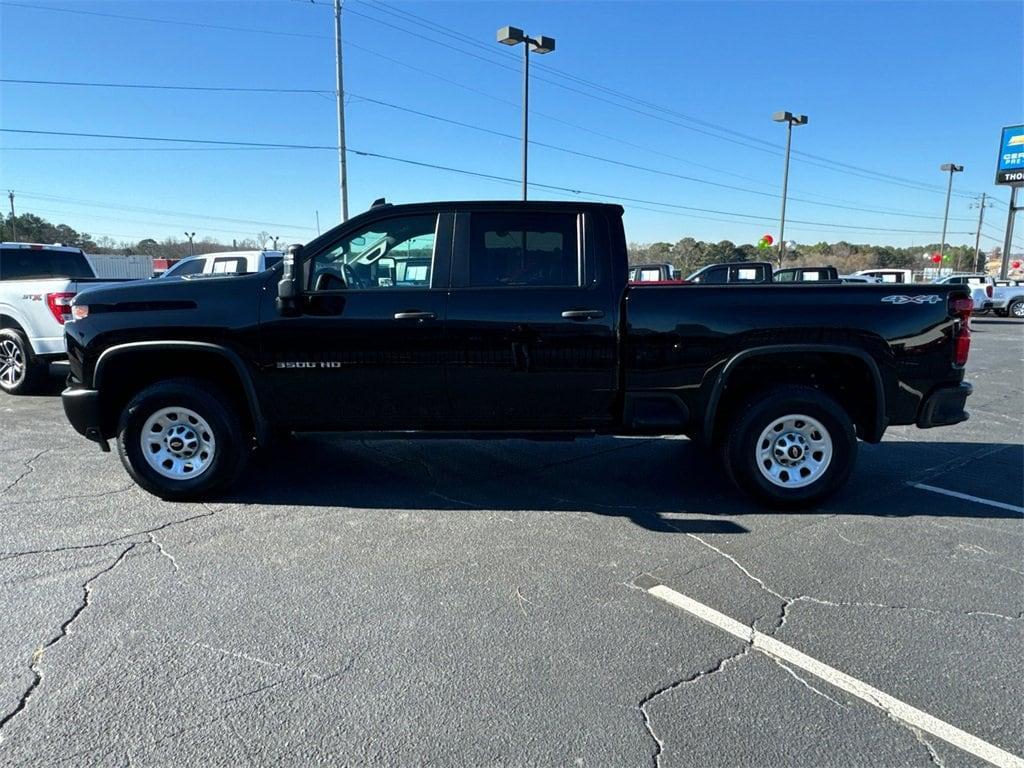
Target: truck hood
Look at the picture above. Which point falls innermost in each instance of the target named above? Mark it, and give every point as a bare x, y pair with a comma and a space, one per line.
178, 293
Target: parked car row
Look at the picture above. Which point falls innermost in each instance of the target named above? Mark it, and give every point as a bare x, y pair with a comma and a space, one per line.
1005, 299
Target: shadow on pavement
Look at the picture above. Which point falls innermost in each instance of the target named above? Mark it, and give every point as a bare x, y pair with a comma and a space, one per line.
650, 482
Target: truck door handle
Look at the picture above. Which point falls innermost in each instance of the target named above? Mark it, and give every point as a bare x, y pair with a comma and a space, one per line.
415, 314
582, 314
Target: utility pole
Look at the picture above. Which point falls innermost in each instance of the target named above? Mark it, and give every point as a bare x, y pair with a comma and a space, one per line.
340, 94
977, 235
951, 168
14, 221
1008, 238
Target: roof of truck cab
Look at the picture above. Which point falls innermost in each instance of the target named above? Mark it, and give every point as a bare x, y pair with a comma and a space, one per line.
471, 205
245, 254
42, 246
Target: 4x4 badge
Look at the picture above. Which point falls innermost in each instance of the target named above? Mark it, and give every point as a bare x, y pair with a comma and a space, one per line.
929, 298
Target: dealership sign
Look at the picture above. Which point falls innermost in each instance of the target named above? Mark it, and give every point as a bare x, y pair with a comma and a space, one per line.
1010, 169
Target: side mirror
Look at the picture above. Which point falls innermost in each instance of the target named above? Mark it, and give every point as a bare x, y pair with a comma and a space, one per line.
289, 287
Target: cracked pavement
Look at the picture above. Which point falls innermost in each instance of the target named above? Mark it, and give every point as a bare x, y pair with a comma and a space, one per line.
458, 602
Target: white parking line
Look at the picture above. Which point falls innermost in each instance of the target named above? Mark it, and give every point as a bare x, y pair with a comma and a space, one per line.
966, 497
893, 707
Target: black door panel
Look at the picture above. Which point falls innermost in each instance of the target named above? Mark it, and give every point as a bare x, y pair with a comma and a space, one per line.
527, 354
367, 352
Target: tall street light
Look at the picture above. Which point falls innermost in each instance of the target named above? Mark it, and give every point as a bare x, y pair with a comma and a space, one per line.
790, 120
949, 168
540, 44
190, 235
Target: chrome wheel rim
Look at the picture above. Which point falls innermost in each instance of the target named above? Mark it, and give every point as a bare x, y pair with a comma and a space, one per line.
12, 363
793, 451
1017, 310
178, 443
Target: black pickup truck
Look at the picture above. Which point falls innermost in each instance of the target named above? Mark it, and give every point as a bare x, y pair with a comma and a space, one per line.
494, 319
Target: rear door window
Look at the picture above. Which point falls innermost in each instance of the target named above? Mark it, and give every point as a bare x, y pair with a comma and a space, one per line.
650, 275
229, 265
529, 249
744, 274
42, 263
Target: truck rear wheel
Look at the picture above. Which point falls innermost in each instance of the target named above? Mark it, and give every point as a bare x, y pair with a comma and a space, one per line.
181, 439
790, 447
20, 372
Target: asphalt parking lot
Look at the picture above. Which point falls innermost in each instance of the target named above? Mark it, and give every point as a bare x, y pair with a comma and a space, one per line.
511, 603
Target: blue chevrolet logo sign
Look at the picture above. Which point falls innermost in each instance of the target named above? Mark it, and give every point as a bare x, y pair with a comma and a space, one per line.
1010, 168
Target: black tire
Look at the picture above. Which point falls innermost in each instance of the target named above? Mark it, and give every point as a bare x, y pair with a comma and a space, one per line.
21, 372
1016, 309
1001, 313
229, 449
743, 446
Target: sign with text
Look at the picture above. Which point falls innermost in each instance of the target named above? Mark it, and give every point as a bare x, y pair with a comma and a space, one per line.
1010, 168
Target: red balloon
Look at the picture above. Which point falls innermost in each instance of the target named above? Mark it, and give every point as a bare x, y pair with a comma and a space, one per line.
1016, 265
768, 239
936, 258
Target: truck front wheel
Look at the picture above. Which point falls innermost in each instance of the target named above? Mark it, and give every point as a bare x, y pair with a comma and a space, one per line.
790, 447
181, 439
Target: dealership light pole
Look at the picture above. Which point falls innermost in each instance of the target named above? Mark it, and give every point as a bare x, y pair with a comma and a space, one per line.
949, 168
790, 120
190, 235
539, 44
340, 95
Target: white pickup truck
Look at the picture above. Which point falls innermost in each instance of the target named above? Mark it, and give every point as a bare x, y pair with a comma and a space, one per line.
225, 263
981, 285
37, 284
1008, 299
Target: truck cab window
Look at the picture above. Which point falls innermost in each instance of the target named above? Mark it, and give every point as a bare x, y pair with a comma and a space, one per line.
509, 250
188, 267
393, 253
229, 265
716, 276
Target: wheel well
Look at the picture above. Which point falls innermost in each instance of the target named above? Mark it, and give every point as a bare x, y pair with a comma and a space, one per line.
846, 378
6, 321
127, 374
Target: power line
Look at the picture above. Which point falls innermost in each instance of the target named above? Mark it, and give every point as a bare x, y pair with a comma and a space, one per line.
604, 89
157, 211
470, 126
145, 222
161, 87
478, 174
822, 162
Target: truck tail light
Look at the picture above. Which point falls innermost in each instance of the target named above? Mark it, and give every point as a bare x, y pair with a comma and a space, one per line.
60, 306
961, 309
988, 290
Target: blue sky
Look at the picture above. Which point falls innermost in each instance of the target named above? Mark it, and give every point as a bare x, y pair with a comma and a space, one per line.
890, 88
